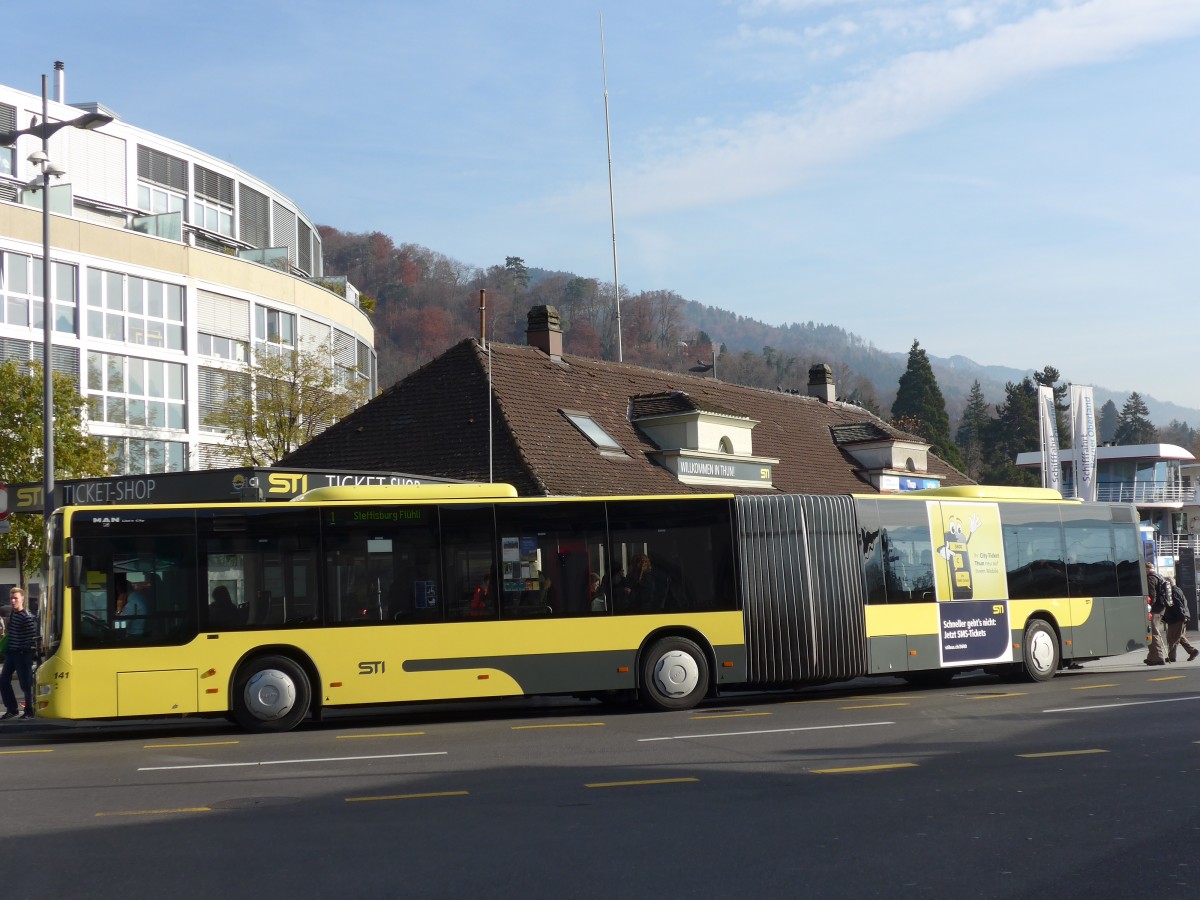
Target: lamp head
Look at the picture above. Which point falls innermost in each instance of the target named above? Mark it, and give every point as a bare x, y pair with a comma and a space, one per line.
91, 121
39, 158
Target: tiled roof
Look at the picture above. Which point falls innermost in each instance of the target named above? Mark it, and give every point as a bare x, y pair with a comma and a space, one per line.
435, 422
646, 405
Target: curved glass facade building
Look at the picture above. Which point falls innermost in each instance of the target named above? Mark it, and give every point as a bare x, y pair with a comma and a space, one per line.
170, 267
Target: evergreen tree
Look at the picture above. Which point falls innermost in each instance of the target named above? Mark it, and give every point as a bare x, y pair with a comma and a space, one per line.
1049, 377
919, 399
1179, 433
517, 271
1107, 426
1133, 424
1015, 429
972, 432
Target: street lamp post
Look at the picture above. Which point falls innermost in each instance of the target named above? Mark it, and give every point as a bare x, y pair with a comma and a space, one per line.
44, 130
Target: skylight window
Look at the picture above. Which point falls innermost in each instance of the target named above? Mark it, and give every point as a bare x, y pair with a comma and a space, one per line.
591, 430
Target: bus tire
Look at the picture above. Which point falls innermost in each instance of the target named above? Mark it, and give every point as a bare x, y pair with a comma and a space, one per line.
674, 675
271, 694
1039, 651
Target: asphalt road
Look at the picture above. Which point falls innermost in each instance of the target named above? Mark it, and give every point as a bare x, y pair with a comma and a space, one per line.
1080, 787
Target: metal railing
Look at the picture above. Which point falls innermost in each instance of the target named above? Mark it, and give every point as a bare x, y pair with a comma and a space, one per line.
1142, 492
1173, 543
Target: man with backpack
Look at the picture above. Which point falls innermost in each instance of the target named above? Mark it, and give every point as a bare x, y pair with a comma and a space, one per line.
1176, 618
1159, 595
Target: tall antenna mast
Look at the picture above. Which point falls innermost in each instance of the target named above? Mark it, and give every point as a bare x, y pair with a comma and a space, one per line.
612, 210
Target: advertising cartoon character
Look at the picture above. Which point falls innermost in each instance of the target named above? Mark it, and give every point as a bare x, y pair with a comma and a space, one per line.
954, 551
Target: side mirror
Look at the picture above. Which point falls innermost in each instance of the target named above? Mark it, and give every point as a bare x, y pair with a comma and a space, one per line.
75, 572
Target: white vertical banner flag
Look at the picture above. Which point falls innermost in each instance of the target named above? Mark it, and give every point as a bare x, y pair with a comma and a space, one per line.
1083, 439
1051, 468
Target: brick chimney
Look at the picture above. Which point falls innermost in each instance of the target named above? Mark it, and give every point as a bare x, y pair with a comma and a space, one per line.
543, 331
820, 383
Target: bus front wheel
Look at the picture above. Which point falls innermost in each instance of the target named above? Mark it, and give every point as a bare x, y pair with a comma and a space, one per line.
674, 675
1039, 651
272, 693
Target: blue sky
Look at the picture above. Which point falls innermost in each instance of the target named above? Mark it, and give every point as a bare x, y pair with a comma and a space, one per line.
1015, 181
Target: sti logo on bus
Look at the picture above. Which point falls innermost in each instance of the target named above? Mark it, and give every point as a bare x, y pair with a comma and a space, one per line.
287, 483
374, 667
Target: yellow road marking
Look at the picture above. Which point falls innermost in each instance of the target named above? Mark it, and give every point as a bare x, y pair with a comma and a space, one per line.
608, 784
1092, 687
857, 699
560, 725
350, 737
878, 768
1059, 753
1169, 678
198, 744
874, 705
14, 752
728, 716
156, 812
407, 796
994, 696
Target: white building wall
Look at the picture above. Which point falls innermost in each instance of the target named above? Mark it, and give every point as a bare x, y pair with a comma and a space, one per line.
102, 168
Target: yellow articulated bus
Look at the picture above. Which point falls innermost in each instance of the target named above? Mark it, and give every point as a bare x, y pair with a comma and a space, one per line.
358, 596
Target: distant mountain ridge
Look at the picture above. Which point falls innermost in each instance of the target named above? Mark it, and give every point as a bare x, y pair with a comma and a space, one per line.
883, 368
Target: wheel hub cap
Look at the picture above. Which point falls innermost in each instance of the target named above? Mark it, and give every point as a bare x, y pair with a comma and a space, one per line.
676, 674
270, 694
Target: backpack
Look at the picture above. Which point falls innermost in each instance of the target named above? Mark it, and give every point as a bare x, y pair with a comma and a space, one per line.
1180, 604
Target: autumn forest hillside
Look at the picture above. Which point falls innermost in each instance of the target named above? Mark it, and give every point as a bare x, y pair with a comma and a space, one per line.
425, 302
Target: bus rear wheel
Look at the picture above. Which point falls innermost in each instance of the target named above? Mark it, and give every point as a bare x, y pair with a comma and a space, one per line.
674, 675
1039, 651
271, 693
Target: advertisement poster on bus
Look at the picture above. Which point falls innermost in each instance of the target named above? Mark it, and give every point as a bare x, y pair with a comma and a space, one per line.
971, 584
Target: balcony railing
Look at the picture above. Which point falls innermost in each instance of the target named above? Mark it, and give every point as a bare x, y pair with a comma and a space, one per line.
1173, 543
1145, 492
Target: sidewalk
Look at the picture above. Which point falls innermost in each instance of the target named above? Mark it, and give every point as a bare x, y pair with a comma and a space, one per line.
1135, 659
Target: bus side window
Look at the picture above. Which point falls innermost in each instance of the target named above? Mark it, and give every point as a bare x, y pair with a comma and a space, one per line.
469, 560
547, 556
871, 541
1034, 554
669, 560
267, 560
906, 551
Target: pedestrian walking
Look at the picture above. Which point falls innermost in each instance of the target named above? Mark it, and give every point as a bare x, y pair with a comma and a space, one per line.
1159, 594
1176, 618
22, 634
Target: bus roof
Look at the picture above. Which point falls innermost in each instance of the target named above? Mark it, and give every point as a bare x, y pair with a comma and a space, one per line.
992, 492
373, 492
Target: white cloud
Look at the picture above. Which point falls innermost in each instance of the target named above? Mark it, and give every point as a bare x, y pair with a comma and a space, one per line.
777, 149
747, 36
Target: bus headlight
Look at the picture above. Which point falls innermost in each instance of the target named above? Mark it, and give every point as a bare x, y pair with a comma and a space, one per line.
43, 690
